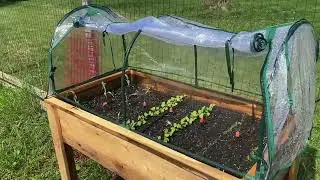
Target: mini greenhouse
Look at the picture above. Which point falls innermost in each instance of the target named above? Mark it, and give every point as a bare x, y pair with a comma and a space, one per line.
232, 101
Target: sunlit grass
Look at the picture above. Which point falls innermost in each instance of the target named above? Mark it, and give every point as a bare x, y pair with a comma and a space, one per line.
26, 27
26, 148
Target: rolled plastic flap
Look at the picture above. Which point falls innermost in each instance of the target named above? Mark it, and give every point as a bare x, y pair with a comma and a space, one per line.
177, 31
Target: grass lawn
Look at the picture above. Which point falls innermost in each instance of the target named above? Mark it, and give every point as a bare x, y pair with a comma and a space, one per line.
26, 148
26, 27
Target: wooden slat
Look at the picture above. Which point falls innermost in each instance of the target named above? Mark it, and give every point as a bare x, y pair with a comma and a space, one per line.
253, 170
116, 154
66, 166
92, 85
71, 163
169, 86
15, 82
223, 100
103, 140
294, 169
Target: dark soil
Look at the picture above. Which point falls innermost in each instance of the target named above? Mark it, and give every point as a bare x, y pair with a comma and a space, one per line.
136, 97
214, 140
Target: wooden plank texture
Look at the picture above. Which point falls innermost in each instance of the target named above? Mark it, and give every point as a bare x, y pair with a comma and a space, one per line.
223, 100
172, 87
125, 152
15, 82
63, 154
294, 169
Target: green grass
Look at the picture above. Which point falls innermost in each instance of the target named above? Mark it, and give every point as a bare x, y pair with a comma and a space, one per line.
26, 148
26, 27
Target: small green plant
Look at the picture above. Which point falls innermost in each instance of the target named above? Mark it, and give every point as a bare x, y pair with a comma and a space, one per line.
154, 111
186, 121
103, 84
127, 79
75, 98
252, 155
105, 93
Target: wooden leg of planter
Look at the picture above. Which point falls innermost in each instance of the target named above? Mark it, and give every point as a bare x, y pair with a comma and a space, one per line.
64, 152
71, 162
294, 169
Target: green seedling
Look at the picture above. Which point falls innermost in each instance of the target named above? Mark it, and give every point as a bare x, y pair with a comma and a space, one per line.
157, 111
75, 98
166, 140
186, 121
127, 79
252, 156
139, 123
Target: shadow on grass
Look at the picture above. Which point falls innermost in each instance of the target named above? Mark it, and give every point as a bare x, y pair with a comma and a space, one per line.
307, 166
9, 2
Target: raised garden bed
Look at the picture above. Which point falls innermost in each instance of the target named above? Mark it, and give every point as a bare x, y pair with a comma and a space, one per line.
225, 139
225, 136
210, 126
142, 126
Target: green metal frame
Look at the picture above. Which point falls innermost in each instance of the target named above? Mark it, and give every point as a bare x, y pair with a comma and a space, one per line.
124, 68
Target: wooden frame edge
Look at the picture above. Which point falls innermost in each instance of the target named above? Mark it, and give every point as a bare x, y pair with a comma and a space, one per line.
121, 132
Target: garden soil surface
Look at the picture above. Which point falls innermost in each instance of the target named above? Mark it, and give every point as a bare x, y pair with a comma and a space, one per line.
214, 140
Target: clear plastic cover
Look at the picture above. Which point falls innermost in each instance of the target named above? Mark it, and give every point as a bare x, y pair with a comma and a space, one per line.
85, 54
174, 30
178, 63
99, 15
294, 96
92, 41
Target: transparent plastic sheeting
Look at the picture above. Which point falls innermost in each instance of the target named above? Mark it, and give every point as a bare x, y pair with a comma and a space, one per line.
167, 46
292, 79
171, 29
96, 14
175, 30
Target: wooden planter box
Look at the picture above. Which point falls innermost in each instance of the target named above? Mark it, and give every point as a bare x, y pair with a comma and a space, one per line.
125, 152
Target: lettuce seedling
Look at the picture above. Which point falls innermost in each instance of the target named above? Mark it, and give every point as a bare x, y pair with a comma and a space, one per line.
139, 123
155, 111
166, 140
166, 133
172, 130
188, 120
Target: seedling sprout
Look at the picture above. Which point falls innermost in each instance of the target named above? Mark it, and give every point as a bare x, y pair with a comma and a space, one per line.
75, 98
127, 79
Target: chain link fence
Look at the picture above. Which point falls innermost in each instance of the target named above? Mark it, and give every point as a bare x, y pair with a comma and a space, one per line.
26, 26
